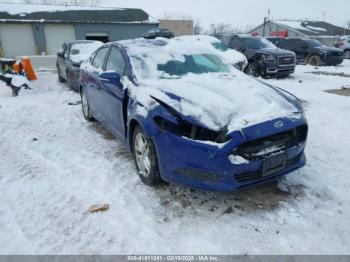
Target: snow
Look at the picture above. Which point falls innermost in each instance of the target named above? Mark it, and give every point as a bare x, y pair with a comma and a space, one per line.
229, 99
48, 184
231, 55
82, 51
297, 25
19, 81
237, 160
316, 28
22, 9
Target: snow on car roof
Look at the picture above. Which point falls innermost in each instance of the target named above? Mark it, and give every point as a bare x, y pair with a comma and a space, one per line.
81, 51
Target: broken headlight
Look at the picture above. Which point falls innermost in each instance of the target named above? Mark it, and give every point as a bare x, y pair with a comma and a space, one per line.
187, 129
191, 131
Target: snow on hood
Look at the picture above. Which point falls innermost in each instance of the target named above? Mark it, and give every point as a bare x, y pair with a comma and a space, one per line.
218, 100
215, 100
82, 51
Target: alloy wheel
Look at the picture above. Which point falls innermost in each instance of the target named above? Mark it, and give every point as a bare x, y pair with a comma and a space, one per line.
347, 54
142, 154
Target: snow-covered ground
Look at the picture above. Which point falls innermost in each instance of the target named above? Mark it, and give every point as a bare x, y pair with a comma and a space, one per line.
54, 166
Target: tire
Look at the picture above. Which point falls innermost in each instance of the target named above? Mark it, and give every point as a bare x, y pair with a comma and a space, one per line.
85, 106
252, 69
347, 54
68, 81
145, 157
314, 60
60, 78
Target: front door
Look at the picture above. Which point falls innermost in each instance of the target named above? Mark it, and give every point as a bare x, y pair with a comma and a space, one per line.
95, 85
114, 93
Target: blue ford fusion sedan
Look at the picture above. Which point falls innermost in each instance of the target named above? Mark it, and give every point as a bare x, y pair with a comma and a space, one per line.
190, 117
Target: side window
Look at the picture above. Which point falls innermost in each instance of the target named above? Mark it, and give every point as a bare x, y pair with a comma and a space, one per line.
298, 44
286, 44
236, 44
116, 61
99, 59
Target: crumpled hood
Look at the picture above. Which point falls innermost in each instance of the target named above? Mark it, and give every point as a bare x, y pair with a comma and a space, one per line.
217, 100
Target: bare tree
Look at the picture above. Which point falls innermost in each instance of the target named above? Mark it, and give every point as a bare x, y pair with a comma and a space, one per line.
197, 27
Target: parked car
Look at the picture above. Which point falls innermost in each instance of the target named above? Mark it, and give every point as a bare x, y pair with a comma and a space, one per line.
344, 44
190, 117
69, 58
234, 57
313, 52
158, 32
264, 58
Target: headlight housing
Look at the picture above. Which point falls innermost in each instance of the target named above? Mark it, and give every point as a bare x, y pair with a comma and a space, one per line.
191, 131
181, 127
324, 53
269, 58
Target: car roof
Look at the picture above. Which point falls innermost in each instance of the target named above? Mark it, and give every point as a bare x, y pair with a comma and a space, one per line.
81, 42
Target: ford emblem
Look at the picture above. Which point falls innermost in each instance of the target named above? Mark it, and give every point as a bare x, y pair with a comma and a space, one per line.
279, 124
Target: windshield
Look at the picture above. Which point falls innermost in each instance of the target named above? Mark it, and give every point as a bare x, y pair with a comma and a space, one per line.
196, 64
147, 67
219, 46
258, 43
313, 43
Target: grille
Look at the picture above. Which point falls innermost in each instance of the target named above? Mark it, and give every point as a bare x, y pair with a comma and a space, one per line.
267, 146
250, 176
286, 60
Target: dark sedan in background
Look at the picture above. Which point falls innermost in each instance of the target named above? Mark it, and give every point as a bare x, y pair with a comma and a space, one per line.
311, 51
69, 58
158, 32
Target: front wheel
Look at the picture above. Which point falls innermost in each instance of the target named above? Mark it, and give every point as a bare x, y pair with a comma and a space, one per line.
314, 60
85, 106
347, 54
252, 69
60, 78
145, 156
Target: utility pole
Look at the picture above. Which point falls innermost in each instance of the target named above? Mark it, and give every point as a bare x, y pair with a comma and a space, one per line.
266, 20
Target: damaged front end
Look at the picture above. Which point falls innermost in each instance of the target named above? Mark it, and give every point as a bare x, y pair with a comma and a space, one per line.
191, 154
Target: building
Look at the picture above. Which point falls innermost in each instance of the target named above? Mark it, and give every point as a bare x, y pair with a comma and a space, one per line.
42, 29
320, 30
178, 27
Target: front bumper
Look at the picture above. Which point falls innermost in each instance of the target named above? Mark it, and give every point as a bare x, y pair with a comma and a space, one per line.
207, 166
333, 60
273, 69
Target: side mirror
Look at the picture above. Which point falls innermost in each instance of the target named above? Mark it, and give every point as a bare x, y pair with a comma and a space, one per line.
60, 54
112, 77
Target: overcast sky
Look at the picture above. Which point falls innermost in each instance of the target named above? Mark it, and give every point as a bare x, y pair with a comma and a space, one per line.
243, 13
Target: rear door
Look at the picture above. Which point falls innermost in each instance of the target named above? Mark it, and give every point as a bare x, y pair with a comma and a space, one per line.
94, 86
114, 93
295, 46
301, 50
